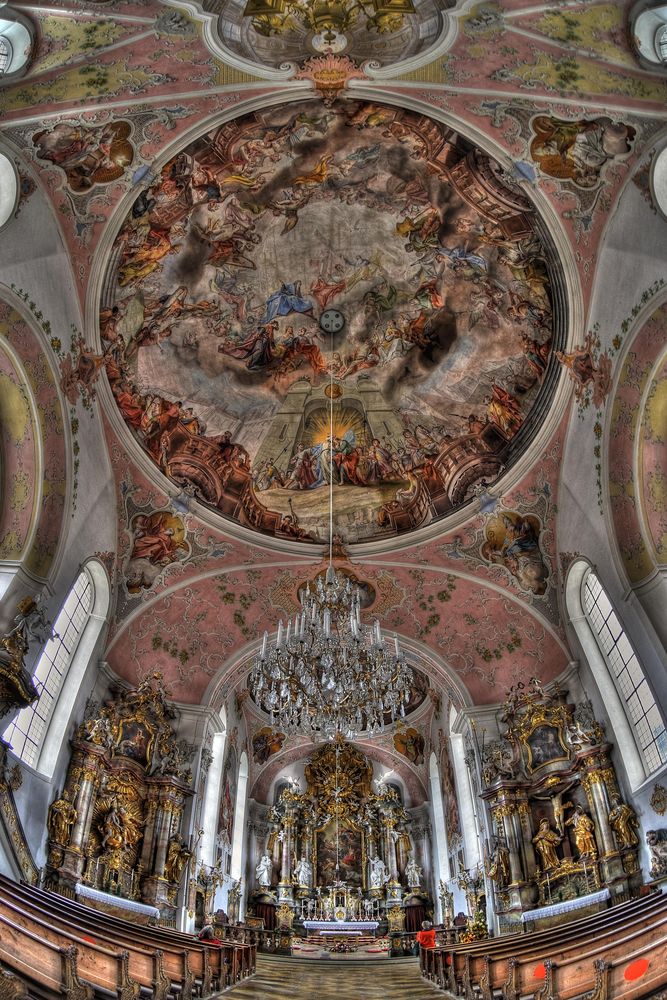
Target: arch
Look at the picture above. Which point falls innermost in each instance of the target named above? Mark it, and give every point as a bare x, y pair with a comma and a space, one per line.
34, 476
17, 39
648, 32
9, 181
37, 734
638, 727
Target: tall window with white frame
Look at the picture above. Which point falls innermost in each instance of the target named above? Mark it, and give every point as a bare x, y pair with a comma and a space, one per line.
26, 732
640, 705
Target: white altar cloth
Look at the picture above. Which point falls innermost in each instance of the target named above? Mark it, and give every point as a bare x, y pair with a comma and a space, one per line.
335, 926
346, 931
569, 904
123, 904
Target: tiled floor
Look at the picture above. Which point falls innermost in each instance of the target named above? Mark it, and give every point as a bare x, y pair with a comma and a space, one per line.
297, 979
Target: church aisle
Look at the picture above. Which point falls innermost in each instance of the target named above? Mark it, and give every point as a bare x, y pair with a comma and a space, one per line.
295, 979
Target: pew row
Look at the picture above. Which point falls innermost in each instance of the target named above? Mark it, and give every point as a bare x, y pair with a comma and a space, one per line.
156, 961
584, 957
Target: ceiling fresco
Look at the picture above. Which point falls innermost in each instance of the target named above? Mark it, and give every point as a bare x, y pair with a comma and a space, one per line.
358, 257
275, 37
201, 273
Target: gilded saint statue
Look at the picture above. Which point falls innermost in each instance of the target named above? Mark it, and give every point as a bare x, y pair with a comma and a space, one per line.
498, 864
546, 840
624, 823
584, 833
62, 817
178, 856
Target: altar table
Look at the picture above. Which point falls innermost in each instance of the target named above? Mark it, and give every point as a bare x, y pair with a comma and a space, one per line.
338, 926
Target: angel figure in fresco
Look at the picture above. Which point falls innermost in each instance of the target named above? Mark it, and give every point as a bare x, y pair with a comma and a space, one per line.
158, 537
141, 261
286, 300
578, 150
504, 410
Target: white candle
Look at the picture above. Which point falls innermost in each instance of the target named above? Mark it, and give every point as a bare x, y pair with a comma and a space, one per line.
378, 634
289, 630
264, 642
327, 622
396, 645
279, 641
548, 886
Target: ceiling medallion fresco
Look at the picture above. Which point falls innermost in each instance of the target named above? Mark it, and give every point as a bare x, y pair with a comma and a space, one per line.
358, 253
275, 33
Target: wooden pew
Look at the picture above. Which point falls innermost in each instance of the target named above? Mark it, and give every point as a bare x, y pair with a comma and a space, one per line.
187, 961
508, 964
157, 969
436, 959
49, 968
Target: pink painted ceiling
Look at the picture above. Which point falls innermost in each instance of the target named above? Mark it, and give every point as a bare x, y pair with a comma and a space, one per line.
109, 92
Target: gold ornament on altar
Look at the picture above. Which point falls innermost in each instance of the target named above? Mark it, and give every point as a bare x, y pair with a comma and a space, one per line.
624, 823
658, 800
339, 779
546, 840
178, 856
62, 817
584, 833
16, 687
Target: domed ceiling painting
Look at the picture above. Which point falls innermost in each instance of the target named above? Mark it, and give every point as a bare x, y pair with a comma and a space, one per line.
304, 256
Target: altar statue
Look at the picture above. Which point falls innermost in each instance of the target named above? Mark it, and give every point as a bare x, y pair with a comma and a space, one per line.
303, 872
413, 873
264, 870
545, 841
379, 873
177, 857
623, 822
584, 833
62, 816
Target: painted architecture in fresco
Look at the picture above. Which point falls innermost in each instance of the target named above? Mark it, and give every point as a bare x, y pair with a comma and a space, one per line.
237, 315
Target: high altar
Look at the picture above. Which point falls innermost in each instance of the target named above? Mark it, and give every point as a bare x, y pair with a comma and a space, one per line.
341, 849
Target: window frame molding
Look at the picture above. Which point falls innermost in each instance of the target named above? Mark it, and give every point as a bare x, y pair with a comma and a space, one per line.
54, 737
615, 705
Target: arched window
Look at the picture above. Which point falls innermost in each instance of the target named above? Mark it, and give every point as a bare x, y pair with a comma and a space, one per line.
647, 723
16, 44
37, 732
9, 185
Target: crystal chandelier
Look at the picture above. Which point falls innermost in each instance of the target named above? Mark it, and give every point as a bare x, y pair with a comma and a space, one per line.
327, 672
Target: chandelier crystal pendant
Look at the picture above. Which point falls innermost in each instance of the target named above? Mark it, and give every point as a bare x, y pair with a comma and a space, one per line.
329, 673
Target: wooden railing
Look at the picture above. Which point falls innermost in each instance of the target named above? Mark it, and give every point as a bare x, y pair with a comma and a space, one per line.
60, 947
618, 954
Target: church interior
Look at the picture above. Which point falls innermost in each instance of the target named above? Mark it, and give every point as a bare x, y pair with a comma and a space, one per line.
333, 520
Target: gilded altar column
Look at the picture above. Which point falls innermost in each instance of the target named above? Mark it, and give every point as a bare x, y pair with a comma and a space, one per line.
390, 849
598, 783
166, 798
285, 887
87, 761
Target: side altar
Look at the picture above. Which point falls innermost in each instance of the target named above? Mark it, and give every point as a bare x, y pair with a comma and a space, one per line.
563, 836
341, 851
114, 832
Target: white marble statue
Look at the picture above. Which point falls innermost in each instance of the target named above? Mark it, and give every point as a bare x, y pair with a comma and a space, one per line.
379, 873
413, 873
303, 871
264, 870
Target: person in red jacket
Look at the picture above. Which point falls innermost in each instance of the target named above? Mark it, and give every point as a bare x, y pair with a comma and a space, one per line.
426, 936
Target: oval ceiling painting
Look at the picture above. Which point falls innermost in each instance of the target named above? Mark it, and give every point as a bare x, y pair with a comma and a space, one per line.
357, 265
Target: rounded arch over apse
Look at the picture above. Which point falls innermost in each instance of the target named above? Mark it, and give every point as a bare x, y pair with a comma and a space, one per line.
34, 448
